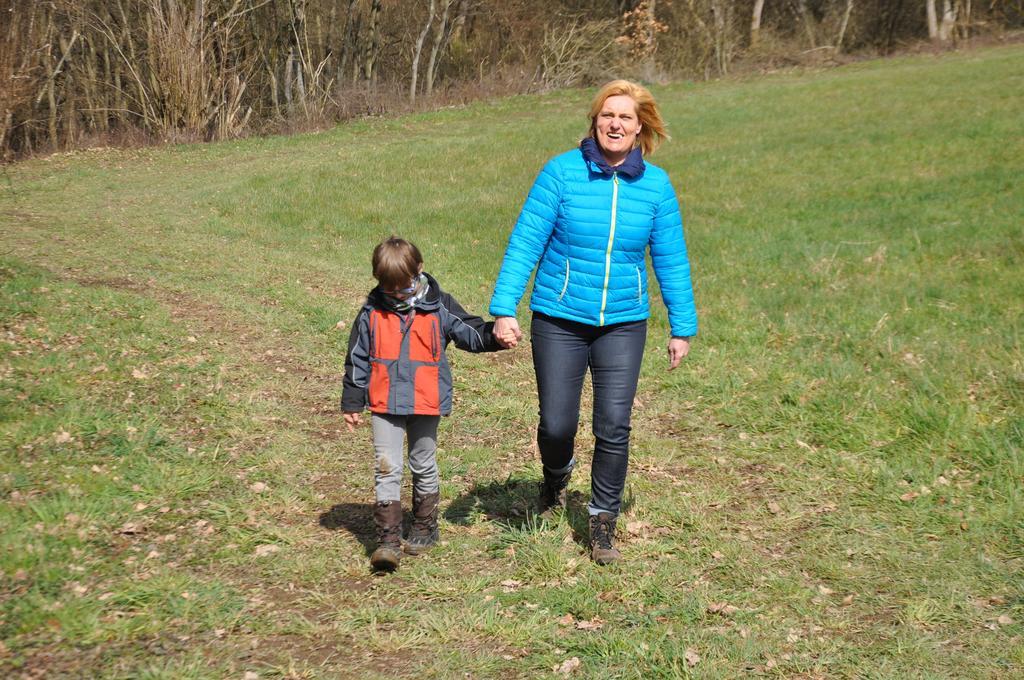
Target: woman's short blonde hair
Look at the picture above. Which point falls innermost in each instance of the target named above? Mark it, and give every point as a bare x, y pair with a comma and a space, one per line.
652, 131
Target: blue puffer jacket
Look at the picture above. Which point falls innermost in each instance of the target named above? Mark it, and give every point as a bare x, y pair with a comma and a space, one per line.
589, 225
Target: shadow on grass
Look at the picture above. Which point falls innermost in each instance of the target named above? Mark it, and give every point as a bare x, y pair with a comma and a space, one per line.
355, 518
513, 503
510, 502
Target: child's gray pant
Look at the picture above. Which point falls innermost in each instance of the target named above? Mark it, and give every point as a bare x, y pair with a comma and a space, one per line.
388, 434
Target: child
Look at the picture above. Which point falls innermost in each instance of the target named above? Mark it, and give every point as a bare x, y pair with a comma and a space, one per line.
396, 367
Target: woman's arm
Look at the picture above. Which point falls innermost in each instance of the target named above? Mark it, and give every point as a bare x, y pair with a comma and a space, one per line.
672, 266
528, 240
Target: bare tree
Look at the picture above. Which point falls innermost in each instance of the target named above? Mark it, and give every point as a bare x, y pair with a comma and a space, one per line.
933, 19
418, 50
843, 25
755, 22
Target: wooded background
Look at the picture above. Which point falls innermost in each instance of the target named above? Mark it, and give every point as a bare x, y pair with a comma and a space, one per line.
82, 72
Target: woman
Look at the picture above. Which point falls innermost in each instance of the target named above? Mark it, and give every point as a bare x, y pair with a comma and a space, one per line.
589, 219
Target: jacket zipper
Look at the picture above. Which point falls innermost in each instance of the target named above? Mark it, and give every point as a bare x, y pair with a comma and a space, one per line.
639, 287
608, 250
565, 284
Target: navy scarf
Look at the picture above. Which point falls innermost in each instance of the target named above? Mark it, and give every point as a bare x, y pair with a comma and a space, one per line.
633, 166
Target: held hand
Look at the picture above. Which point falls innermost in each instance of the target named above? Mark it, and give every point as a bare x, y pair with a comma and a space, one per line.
677, 349
352, 420
507, 332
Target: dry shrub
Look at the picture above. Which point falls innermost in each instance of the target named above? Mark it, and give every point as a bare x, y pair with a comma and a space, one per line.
195, 85
576, 51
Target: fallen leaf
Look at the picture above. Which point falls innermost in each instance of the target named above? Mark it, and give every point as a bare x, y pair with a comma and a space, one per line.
249, 675
909, 496
264, 550
130, 528
722, 608
568, 666
774, 508
139, 374
692, 657
593, 624
637, 528
258, 487
848, 600
716, 555
825, 590
62, 437
567, 620
1004, 620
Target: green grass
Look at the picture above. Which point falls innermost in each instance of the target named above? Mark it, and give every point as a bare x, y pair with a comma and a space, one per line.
840, 459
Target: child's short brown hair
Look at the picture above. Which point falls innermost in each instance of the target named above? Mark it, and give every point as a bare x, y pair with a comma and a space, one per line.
396, 262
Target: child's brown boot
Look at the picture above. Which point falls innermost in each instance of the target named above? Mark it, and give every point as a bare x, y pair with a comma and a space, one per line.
387, 515
423, 533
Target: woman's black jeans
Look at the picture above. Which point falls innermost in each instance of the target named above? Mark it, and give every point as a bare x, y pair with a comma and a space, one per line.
562, 352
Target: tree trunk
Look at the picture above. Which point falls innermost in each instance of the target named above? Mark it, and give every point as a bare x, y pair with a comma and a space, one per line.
439, 41
718, 11
349, 46
964, 16
948, 21
933, 21
755, 22
372, 44
808, 22
418, 51
843, 25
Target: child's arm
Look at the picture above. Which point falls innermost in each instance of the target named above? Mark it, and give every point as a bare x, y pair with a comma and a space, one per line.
468, 331
357, 371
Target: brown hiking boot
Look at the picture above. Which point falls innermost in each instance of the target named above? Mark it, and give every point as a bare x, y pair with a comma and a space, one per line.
551, 500
602, 533
423, 533
387, 515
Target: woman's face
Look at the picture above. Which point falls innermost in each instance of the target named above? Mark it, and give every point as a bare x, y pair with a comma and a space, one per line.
617, 126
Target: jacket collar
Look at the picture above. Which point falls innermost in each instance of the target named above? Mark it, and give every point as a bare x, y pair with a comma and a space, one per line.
632, 167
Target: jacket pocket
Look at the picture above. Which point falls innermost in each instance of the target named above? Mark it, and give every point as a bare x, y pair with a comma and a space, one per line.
639, 287
565, 283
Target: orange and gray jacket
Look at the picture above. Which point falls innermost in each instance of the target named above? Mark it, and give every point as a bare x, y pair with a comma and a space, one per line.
396, 362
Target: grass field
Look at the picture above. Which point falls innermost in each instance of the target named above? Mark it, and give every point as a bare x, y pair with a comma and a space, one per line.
830, 486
